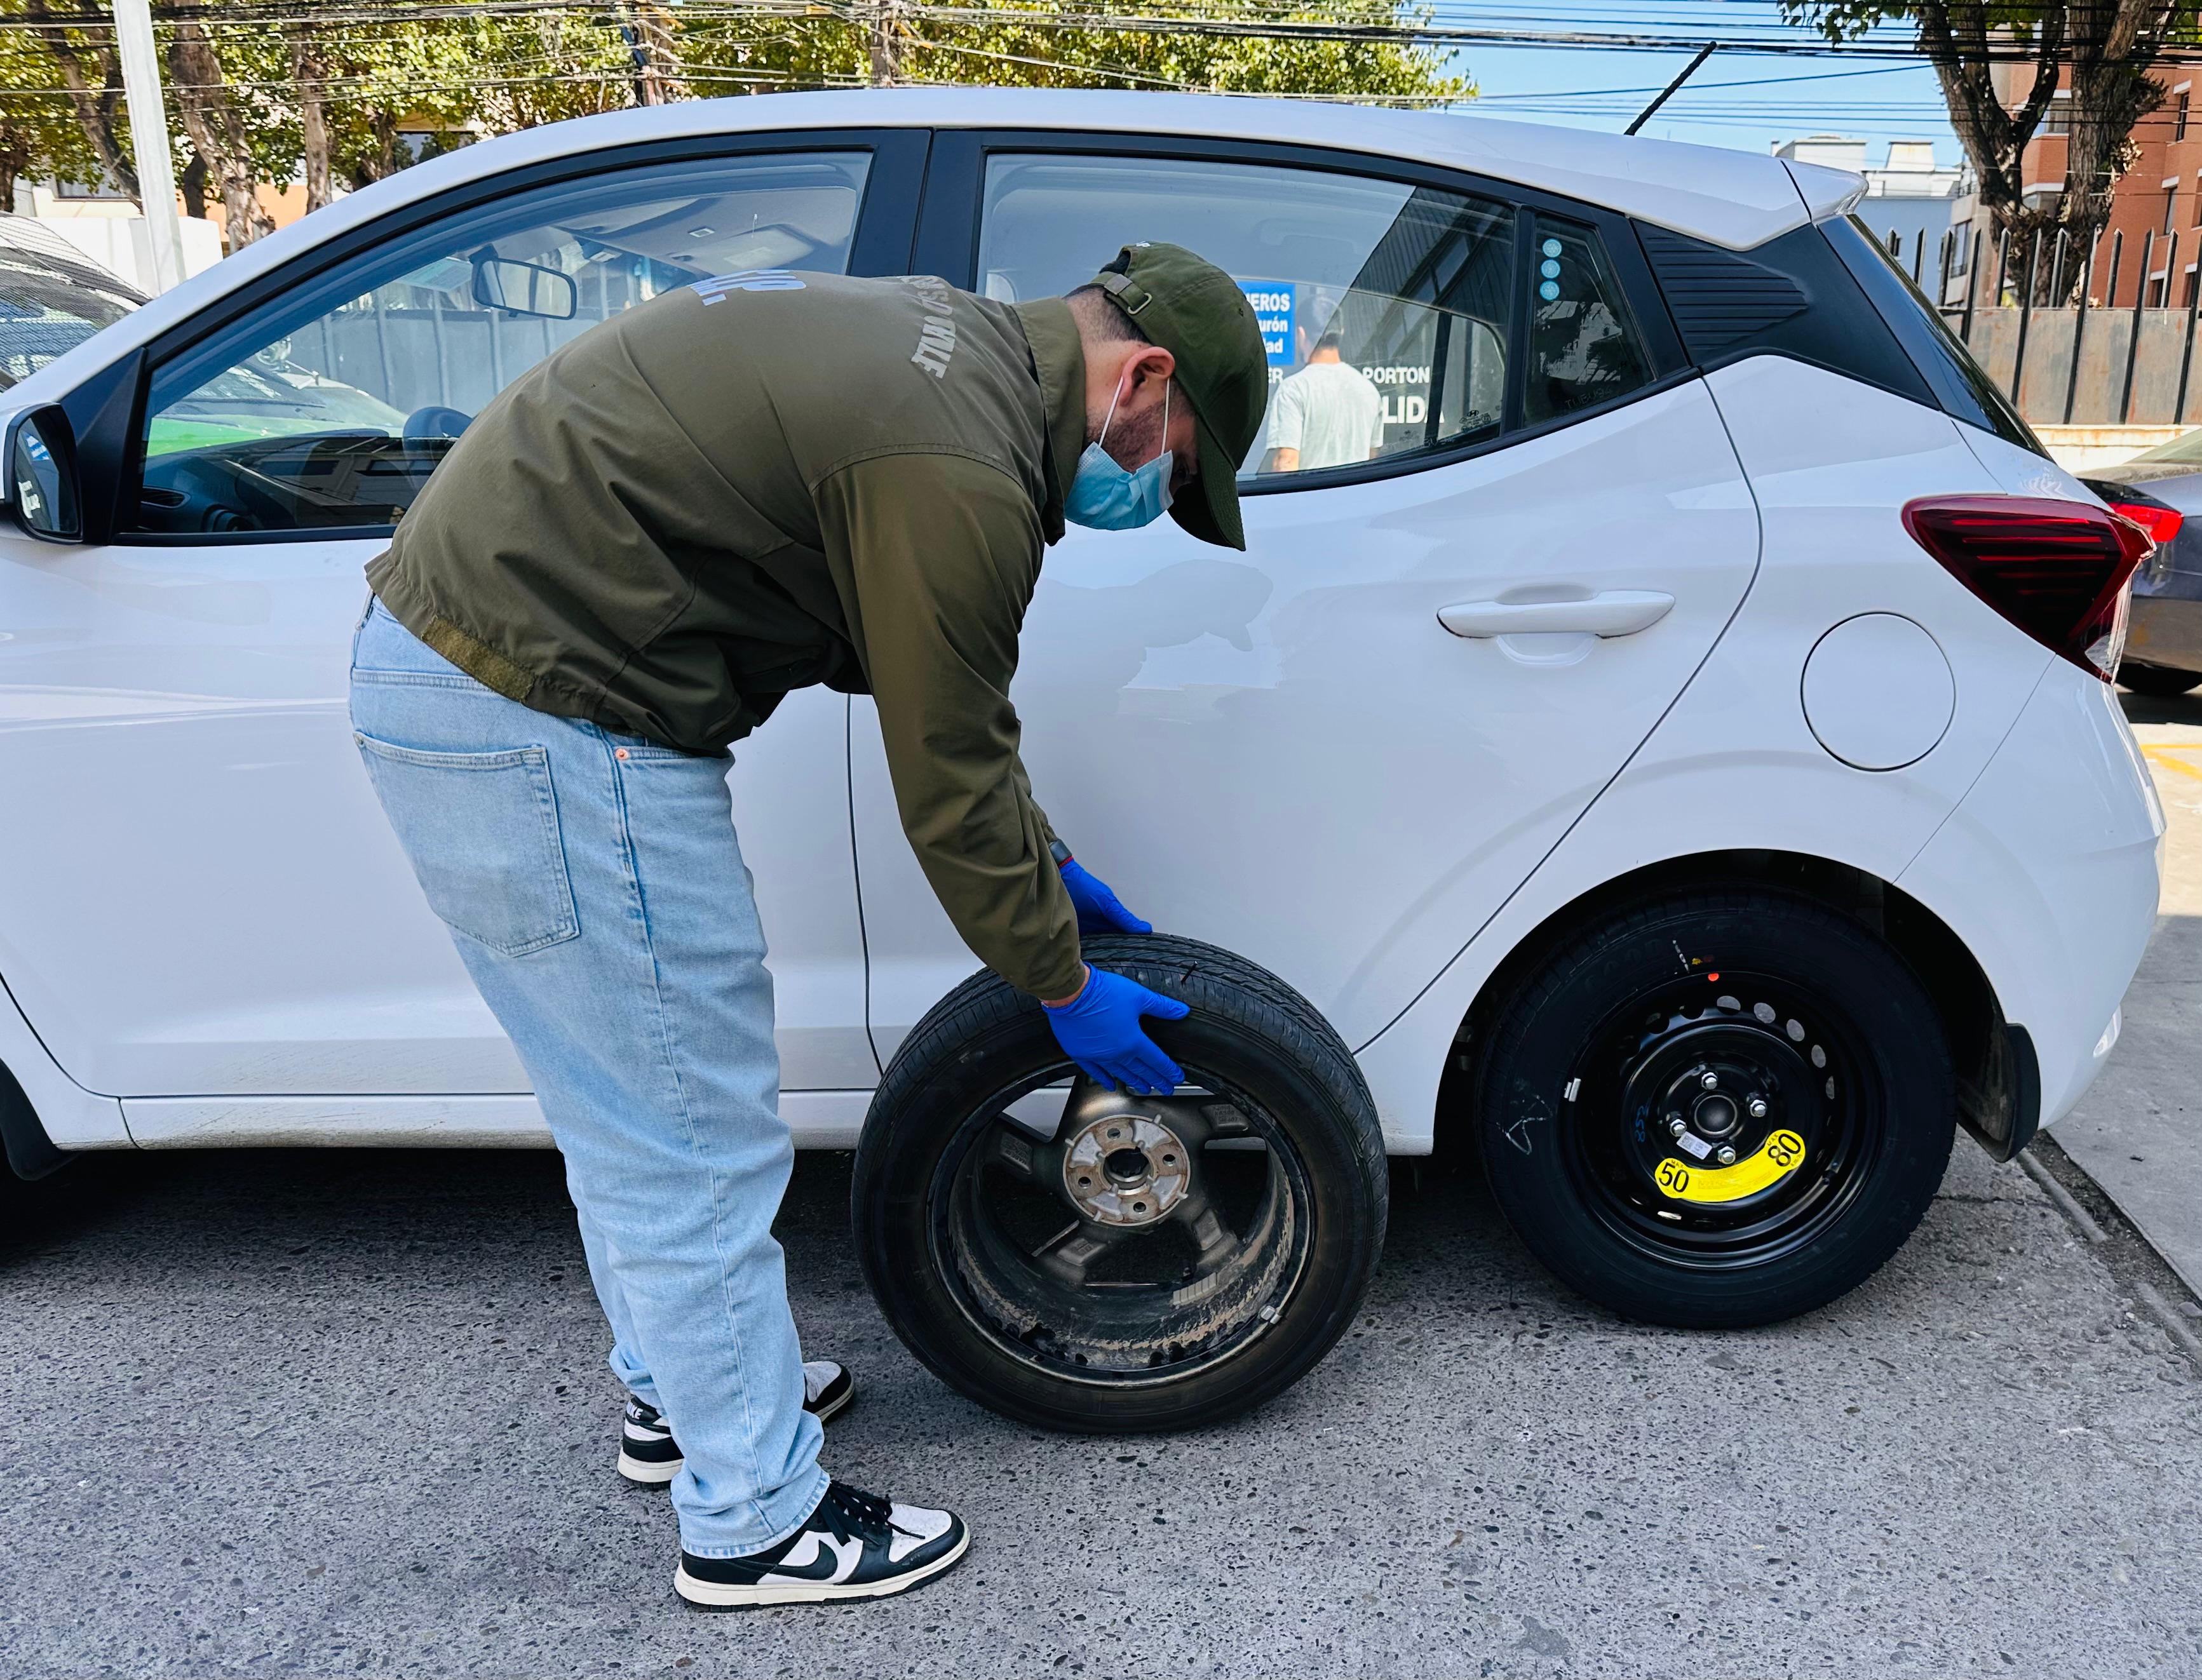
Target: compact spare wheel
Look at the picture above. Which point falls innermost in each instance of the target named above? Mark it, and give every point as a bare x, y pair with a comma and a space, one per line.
1715, 1108
1083, 1259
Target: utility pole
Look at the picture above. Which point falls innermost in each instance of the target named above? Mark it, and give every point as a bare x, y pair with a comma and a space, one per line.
149, 138
648, 32
886, 49
646, 85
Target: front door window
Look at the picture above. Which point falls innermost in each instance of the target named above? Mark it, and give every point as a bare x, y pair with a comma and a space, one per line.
331, 411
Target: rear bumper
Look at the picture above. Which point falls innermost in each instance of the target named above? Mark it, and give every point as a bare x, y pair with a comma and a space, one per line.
2048, 870
2167, 630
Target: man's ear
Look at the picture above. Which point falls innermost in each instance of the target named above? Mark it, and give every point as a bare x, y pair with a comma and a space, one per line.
1151, 364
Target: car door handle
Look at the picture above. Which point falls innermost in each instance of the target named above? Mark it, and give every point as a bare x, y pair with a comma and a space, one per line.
1615, 612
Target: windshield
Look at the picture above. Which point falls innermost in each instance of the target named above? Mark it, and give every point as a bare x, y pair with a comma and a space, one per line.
49, 305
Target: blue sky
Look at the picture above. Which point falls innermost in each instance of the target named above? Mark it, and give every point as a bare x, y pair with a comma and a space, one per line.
1738, 98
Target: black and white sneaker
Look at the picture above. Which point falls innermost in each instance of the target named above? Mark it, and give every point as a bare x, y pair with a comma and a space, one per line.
853, 1546
650, 1457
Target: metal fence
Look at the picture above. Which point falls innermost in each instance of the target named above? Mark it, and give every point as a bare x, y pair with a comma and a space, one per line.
2120, 354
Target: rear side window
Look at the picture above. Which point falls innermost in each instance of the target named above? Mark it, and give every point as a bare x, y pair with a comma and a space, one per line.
1584, 347
1397, 318
1964, 390
1383, 306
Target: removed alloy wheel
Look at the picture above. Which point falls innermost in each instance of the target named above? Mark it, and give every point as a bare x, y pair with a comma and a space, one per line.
1081, 1259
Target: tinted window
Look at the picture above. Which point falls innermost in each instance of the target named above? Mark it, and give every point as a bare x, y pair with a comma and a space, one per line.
1584, 346
1383, 306
1959, 385
330, 407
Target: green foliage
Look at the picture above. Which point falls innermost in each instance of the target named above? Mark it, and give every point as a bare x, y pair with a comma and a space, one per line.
1847, 20
383, 85
1033, 43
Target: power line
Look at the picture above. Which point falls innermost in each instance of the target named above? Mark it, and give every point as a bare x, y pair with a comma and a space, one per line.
1287, 23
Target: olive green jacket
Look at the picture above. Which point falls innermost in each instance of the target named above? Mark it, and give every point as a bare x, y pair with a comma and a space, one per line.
769, 480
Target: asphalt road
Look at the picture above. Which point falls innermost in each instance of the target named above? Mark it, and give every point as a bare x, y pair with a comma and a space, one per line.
343, 1413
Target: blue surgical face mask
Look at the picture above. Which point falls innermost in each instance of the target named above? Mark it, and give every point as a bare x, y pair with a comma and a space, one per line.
1105, 496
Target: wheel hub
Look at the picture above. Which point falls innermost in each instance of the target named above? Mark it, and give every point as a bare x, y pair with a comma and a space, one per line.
1714, 1116
1719, 1126
1124, 1170
1718, 1108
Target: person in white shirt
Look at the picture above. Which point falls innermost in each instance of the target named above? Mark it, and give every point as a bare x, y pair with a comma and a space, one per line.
1326, 415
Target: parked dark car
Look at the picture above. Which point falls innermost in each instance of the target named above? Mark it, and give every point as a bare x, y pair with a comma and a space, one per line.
52, 297
2162, 491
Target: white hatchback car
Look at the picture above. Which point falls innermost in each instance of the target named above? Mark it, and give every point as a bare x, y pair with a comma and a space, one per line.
1667, 737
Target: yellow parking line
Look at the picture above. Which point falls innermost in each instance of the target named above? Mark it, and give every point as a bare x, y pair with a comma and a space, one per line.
2163, 755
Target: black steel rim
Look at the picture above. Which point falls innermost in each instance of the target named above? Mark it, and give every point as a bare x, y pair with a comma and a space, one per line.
1738, 1058
1192, 1279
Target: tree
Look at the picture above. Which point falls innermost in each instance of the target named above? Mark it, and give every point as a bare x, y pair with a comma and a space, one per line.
309, 71
2102, 50
219, 121
89, 68
41, 134
260, 94
1235, 46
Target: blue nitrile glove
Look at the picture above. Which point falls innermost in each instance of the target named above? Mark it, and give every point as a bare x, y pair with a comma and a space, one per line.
1099, 910
1100, 1029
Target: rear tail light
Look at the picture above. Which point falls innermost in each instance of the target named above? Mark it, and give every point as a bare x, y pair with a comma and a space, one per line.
2161, 523
2058, 570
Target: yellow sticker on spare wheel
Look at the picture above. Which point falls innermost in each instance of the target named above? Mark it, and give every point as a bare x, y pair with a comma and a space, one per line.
1772, 1161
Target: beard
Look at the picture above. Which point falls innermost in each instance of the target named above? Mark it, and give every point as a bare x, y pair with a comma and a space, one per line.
1136, 439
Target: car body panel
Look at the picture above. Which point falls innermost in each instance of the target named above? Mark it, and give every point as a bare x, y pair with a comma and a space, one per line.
73, 1118
2049, 872
819, 1119
1826, 192
1296, 722
200, 691
1735, 765
1284, 751
1729, 197
2166, 627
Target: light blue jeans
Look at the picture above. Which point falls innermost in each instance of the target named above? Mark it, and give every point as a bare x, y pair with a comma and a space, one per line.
595, 889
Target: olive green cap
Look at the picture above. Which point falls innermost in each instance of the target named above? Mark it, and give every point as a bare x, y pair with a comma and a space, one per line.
1197, 312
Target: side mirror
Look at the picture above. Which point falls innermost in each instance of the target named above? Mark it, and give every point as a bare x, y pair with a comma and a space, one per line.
42, 484
524, 288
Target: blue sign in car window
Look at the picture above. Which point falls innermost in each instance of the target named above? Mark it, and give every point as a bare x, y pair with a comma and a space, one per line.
1273, 312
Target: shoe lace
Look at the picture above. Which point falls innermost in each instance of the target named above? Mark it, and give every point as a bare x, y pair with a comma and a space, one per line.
849, 1513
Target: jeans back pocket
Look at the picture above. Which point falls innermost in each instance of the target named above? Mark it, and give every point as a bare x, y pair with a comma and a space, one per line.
481, 830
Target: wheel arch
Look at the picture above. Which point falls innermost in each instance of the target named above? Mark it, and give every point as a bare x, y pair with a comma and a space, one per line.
30, 1153
1999, 1077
